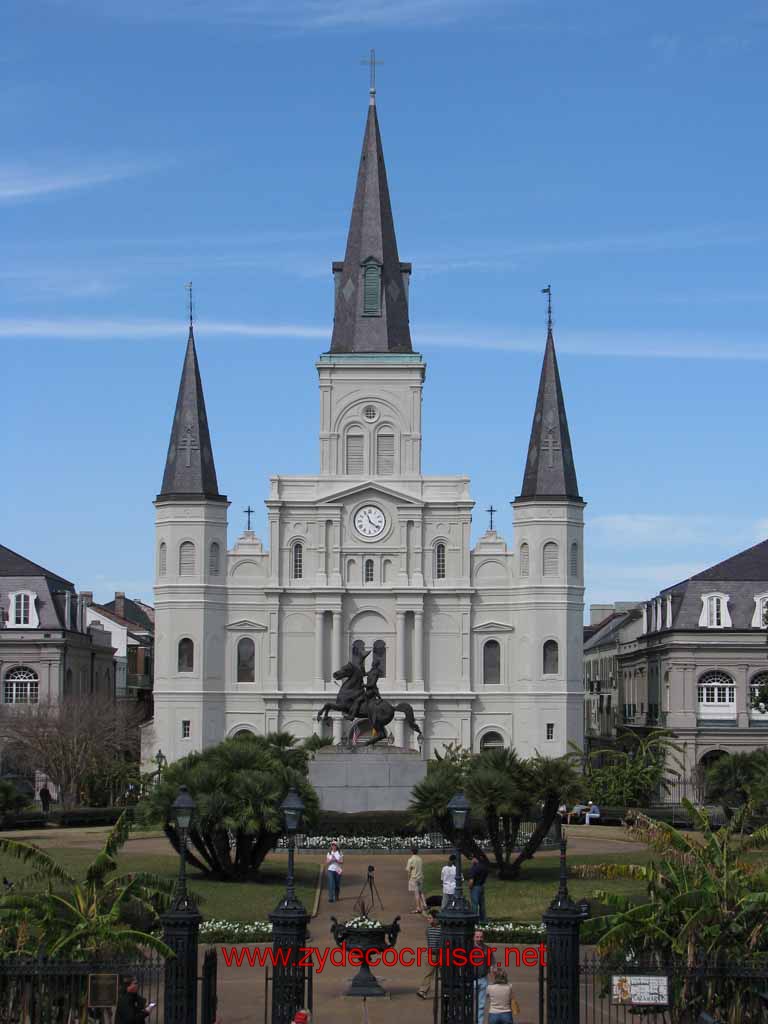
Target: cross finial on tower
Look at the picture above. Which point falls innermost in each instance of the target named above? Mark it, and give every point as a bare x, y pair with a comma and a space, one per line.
491, 512
191, 312
548, 292
372, 62
249, 512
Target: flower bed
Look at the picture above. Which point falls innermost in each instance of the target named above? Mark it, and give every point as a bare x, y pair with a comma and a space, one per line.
511, 932
217, 930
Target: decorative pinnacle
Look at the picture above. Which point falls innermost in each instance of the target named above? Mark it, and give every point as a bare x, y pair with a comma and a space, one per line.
372, 62
548, 292
562, 892
191, 315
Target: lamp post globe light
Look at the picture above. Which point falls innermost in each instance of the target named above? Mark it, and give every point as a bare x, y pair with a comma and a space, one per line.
289, 926
457, 921
181, 924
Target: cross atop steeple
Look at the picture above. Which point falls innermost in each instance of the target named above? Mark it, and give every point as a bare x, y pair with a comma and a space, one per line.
491, 512
372, 63
249, 512
548, 292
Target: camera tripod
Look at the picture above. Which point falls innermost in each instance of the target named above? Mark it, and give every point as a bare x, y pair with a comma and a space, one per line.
370, 885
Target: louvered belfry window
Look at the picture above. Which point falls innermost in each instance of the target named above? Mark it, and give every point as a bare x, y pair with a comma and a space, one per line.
550, 559
187, 559
385, 454
354, 453
372, 290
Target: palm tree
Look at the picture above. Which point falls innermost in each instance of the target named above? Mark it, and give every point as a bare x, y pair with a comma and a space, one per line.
80, 918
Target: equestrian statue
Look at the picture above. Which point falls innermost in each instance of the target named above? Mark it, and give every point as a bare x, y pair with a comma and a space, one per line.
359, 698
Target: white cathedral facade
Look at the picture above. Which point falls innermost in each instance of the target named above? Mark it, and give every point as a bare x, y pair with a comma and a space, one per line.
485, 643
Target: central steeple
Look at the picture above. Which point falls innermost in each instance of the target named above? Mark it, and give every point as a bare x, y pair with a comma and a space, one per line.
371, 285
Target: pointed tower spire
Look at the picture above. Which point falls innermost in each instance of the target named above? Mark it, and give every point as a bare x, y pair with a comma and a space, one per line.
549, 471
371, 312
189, 468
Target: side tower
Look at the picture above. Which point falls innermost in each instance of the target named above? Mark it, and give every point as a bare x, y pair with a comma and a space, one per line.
190, 583
549, 538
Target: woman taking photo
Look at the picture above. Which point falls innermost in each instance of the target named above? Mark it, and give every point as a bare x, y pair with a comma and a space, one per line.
333, 861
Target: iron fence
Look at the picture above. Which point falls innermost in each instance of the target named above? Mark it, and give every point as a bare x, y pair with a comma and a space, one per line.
57, 992
674, 993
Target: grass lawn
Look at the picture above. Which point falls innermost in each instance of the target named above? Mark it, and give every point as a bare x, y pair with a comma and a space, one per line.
231, 901
527, 898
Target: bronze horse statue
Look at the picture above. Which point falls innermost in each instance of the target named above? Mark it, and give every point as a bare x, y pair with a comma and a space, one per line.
358, 700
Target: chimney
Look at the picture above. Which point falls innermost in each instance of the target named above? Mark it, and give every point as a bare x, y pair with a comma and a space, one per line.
87, 596
120, 603
67, 609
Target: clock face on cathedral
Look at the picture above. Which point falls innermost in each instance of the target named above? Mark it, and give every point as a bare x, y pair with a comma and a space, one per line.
370, 521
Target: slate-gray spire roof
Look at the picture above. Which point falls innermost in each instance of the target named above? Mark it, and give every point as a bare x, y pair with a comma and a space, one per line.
189, 468
371, 240
549, 471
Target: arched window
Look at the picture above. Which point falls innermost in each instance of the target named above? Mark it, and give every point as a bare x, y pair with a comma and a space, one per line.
525, 560
379, 656
187, 558
551, 658
491, 662
440, 562
549, 559
243, 734
297, 561
213, 560
574, 566
355, 459
21, 686
758, 683
372, 289
716, 696
162, 559
246, 660
385, 454
491, 741
186, 655
368, 574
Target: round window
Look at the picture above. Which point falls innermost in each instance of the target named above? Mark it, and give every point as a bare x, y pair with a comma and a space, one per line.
370, 412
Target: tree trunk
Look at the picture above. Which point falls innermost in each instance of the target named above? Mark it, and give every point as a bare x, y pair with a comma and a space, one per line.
537, 838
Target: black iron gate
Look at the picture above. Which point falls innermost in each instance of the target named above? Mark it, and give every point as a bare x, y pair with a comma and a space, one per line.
208, 996
269, 992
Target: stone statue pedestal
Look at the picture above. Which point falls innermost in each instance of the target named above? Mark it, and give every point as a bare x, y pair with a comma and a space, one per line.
365, 778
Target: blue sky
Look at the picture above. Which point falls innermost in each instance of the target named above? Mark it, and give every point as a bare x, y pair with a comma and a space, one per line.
616, 151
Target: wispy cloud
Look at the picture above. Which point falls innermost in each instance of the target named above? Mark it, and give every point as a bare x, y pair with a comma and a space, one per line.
643, 529
19, 182
295, 14
649, 344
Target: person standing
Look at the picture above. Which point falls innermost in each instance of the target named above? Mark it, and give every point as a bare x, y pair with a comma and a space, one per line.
502, 1004
481, 974
333, 861
131, 1007
434, 943
448, 880
478, 875
415, 870
45, 799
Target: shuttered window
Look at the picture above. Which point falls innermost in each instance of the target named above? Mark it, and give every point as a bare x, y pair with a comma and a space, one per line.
551, 658
574, 559
162, 561
549, 560
372, 290
187, 559
368, 575
492, 663
385, 454
213, 560
297, 568
525, 560
440, 561
355, 453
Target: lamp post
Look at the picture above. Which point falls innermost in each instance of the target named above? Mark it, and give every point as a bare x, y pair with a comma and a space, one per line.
289, 927
161, 761
563, 921
457, 922
180, 927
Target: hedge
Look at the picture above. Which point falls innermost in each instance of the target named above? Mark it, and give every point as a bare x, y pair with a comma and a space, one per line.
23, 819
80, 816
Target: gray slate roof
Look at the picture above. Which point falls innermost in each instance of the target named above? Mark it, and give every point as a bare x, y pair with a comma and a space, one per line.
751, 564
371, 235
549, 470
14, 564
189, 468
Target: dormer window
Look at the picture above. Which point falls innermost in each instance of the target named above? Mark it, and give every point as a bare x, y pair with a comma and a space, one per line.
371, 288
760, 614
21, 609
714, 612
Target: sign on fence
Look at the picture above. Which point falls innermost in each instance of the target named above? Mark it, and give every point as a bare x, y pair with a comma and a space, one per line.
102, 991
640, 989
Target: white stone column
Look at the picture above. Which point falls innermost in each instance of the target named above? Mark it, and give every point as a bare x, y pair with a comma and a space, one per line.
400, 639
398, 727
418, 649
319, 649
338, 729
338, 645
